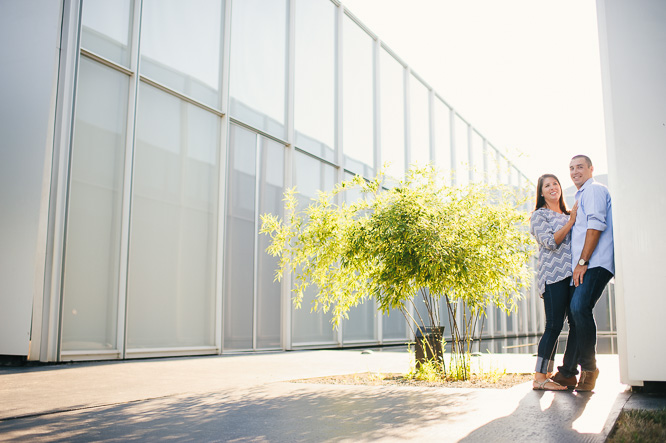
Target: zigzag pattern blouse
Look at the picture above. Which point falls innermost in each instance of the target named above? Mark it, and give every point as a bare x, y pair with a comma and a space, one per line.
554, 262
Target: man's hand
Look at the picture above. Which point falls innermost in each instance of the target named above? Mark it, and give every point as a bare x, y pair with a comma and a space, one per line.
578, 274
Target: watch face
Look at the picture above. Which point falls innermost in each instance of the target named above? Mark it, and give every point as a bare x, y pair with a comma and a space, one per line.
582, 262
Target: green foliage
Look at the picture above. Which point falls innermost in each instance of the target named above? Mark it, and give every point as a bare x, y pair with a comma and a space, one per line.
488, 371
430, 370
416, 239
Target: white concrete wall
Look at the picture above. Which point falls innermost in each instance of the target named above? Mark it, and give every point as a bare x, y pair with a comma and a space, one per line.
632, 39
30, 32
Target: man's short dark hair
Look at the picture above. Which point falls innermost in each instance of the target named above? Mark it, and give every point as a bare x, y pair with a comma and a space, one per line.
587, 159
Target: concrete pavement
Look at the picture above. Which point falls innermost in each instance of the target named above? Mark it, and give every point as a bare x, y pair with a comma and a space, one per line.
250, 398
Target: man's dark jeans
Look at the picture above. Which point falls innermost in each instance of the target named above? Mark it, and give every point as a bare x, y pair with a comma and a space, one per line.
582, 341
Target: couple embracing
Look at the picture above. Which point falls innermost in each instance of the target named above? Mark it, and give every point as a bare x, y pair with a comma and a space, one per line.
575, 262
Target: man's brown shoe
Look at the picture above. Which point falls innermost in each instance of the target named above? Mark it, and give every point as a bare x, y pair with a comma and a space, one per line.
569, 382
587, 380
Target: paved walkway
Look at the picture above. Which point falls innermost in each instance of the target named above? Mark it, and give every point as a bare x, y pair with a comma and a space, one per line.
250, 398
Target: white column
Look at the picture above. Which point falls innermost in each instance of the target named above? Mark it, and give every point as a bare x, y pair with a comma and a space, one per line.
633, 68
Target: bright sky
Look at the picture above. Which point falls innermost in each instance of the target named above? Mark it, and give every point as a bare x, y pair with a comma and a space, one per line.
525, 73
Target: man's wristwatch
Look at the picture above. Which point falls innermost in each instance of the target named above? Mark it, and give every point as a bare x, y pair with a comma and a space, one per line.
582, 262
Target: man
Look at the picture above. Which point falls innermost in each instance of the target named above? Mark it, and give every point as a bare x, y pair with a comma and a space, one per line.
593, 266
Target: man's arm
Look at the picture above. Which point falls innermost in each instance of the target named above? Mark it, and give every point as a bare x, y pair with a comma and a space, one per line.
591, 241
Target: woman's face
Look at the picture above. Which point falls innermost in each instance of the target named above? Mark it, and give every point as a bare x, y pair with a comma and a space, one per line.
551, 190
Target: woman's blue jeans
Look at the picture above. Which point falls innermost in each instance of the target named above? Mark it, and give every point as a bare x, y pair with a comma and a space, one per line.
582, 342
556, 301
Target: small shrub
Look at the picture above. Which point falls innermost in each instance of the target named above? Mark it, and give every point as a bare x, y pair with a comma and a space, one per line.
430, 370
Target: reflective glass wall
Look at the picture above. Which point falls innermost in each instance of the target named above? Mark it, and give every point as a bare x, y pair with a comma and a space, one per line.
191, 119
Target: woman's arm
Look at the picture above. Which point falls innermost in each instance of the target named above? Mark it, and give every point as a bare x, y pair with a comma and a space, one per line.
542, 230
560, 235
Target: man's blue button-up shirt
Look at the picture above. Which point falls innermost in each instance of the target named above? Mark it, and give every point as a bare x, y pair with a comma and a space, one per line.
594, 212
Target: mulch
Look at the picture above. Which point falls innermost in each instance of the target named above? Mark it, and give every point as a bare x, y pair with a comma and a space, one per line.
377, 379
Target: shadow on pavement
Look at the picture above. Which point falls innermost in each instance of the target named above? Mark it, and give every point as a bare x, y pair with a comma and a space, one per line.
331, 414
546, 416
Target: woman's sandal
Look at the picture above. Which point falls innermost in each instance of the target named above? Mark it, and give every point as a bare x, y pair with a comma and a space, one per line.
541, 385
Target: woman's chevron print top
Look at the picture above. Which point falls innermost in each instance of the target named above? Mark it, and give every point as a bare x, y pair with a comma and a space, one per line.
554, 262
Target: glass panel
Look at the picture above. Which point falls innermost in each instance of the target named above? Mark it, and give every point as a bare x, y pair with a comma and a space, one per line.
493, 166
361, 324
462, 149
171, 285
394, 326
510, 323
477, 157
602, 312
499, 315
613, 323
314, 85
392, 99
311, 175
271, 186
240, 239
106, 30
443, 137
504, 171
181, 46
357, 98
258, 64
90, 293
521, 317
419, 113
445, 317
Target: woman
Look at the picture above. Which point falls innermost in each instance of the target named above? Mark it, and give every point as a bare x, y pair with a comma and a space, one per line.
550, 225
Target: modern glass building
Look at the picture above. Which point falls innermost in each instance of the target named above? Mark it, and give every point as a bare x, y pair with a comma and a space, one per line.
168, 128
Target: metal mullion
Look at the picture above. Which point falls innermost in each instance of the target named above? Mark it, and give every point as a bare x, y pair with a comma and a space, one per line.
339, 19
485, 161
393, 54
224, 149
407, 119
106, 62
431, 126
452, 132
377, 47
181, 96
255, 265
319, 159
47, 309
257, 131
470, 154
339, 168
420, 79
285, 288
376, 127
291, 70
359, 23
130, 143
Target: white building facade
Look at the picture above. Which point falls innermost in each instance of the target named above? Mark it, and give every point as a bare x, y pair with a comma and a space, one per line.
141, 142
633, 67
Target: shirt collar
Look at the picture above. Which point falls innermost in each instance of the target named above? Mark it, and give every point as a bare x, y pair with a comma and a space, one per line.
585, 185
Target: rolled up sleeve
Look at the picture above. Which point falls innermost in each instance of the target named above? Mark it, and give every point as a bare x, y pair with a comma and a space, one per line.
542, 231
596, 208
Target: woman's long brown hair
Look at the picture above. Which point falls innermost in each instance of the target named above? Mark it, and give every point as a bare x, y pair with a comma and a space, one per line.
541, 201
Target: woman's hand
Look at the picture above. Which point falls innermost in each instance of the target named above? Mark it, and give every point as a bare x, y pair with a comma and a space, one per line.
572, 213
